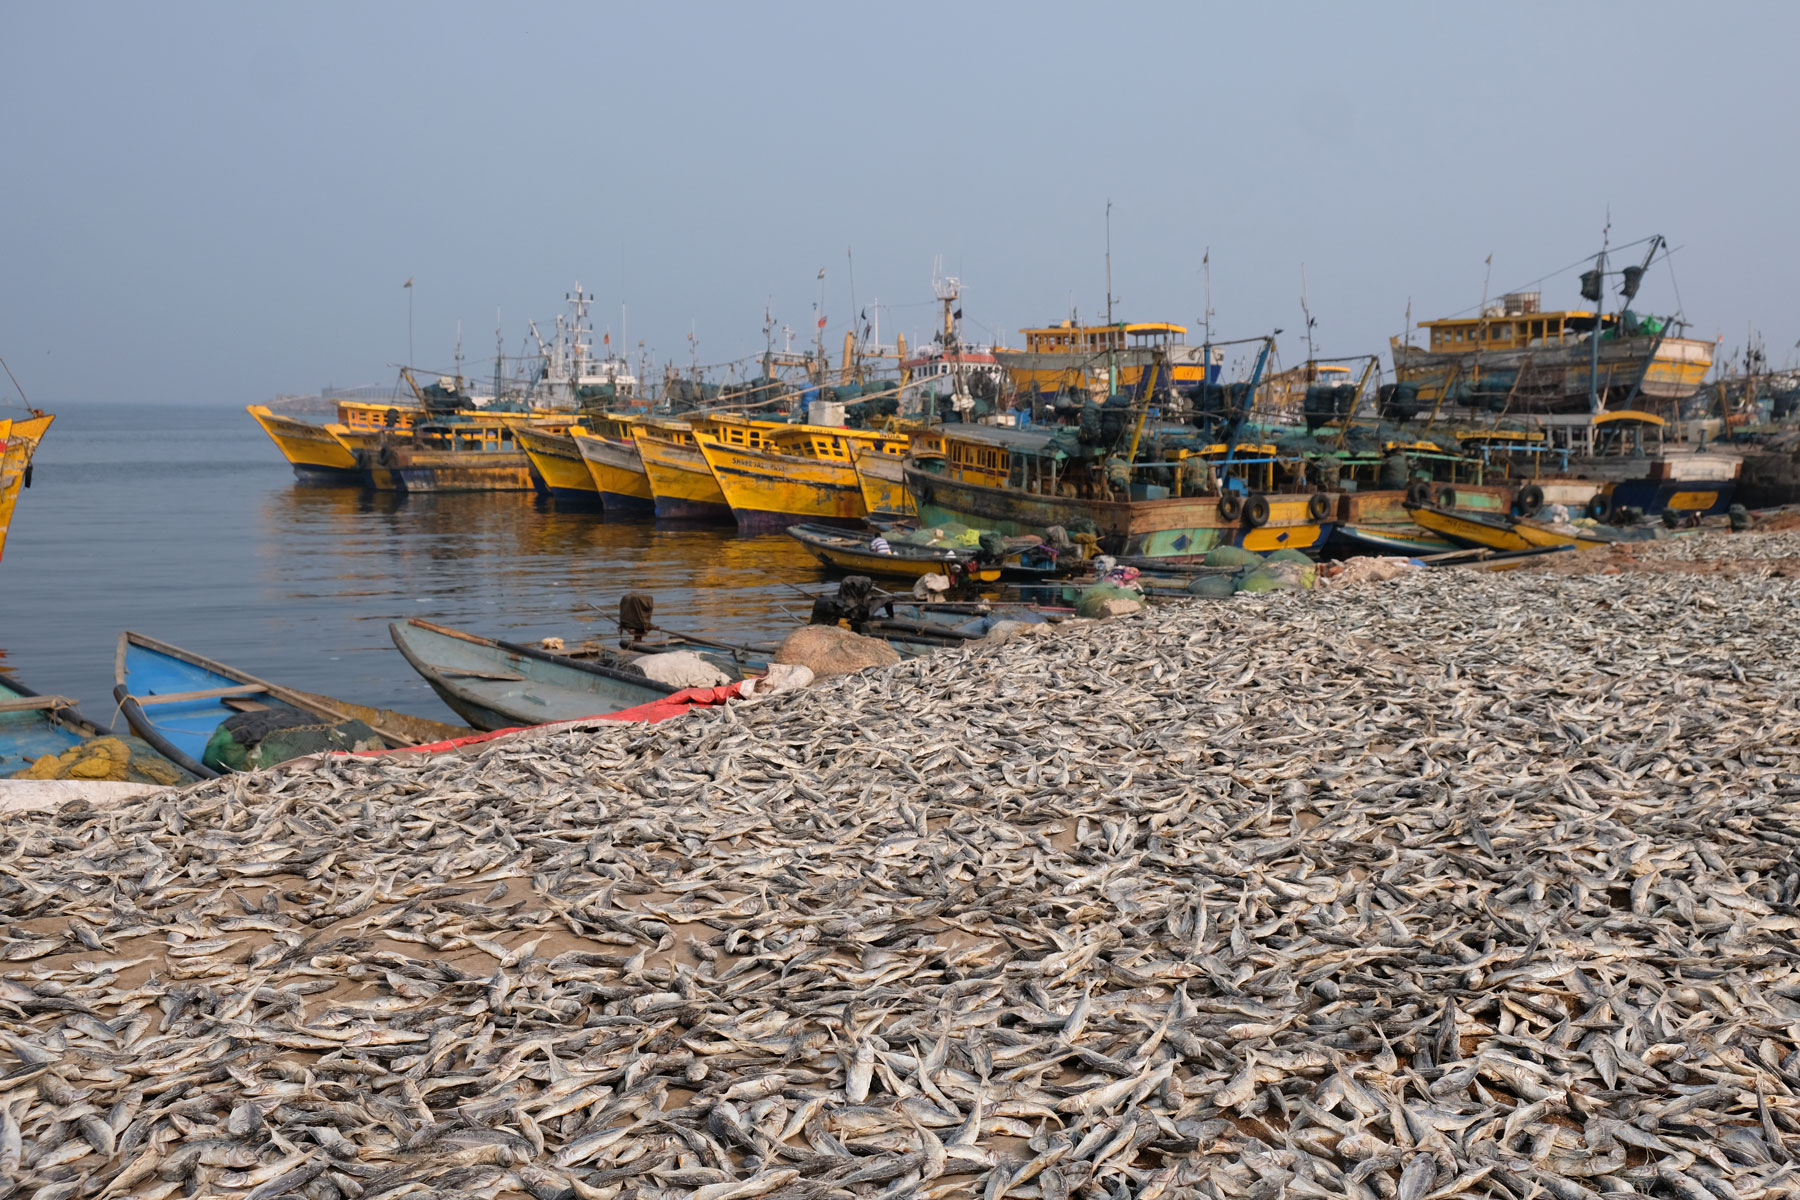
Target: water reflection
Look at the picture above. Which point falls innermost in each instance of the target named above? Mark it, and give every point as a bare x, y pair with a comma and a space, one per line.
228, 556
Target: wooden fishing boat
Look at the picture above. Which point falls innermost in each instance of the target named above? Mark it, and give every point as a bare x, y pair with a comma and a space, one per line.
802, 473
496, 685
610, 454
1373, 519
1498, 531
842, 550
1408, 540
315, 453
1018, 481
680, 479
557, 463
175, 699
19, 440
881, 475
33, 726
452, 454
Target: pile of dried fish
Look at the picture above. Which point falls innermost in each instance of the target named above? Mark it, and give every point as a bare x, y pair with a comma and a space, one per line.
1476, 884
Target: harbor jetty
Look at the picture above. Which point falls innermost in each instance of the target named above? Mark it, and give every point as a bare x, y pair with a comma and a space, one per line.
1460, 882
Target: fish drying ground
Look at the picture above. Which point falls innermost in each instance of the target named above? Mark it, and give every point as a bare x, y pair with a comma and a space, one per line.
1466, 883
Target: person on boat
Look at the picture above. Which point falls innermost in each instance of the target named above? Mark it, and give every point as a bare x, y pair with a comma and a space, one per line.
880, 545
1396, 470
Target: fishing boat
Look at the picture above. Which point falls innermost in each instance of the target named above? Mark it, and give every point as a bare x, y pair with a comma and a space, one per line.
881, 476
1068, 357
453, 453
854, 553
800, 473
314, 451
1025, 481
681, 482
33, 726
1516, 357
1500, 531
610, 453
175, 700
497, 685
19, 438
557, 464
1373, 518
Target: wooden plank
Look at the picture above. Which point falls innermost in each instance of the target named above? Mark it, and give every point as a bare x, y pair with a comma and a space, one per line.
33, 703
242, 689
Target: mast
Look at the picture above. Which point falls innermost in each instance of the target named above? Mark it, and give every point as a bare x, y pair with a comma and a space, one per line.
1597, 294
1112, 376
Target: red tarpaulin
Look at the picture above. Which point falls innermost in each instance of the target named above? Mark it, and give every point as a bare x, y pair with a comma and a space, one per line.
672, 705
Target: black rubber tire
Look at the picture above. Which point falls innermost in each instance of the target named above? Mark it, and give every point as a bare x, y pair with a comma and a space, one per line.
1319, 507
1256, 512
1446, 497
1418, 492
1531, 498
393, 417
1599, 507
1231, 506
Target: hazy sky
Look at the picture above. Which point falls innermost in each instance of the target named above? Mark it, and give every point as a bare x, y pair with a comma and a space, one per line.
219, 203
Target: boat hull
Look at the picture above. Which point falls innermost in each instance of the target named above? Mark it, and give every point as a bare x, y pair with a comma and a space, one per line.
1500, 533
560, 470
402, 469
316, 455
852, 555
681, 482
768, 492
1177, 528
497, 687
1047, 373
18, 445
1556, 378
882, 479
617, 474
1407, 539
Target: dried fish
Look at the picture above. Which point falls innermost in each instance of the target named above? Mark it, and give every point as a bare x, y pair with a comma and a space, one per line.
1466, 884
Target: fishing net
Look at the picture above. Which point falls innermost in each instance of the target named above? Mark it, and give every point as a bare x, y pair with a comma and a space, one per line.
250, 741
1231, 556
109, 760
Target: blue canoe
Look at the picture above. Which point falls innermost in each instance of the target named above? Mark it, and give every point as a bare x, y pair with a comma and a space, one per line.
33, 725
499, 685
174, 700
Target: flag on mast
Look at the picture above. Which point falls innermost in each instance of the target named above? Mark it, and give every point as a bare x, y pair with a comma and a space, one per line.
408, 282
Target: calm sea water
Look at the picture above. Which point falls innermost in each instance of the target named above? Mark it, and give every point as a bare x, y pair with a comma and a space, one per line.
186, 524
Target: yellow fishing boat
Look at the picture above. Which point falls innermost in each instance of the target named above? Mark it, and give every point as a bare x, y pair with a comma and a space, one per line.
855, 554
1071, 357
557, 462
1497, 531
451, 454
881, 474
804, 473
314, 452
18, 444
610, 454
680, 479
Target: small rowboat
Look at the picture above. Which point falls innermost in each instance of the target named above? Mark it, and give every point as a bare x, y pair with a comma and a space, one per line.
1497, 531
498, 685
33, 726
175, 699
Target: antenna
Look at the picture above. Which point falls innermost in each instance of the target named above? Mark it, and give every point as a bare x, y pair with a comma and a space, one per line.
1206, 271
1307, 313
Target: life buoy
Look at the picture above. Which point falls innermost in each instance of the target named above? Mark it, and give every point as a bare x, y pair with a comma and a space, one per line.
1418, 492
1446, 497
1319, 507
1531, 498
1256, 511
1598, 507
1231, 506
